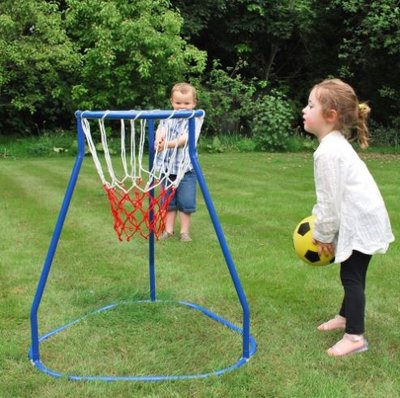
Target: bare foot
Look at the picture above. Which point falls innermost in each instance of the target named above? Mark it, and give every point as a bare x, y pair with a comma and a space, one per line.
338, 322
350, 344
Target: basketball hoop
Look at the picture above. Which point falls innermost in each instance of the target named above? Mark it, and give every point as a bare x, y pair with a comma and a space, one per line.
139, 196
139, 200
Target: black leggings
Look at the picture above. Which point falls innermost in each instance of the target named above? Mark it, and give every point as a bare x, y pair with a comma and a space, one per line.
353, 272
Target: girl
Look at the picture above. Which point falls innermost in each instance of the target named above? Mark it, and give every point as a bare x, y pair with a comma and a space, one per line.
351, 218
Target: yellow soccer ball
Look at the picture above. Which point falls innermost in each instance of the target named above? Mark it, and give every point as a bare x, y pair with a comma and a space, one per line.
304, 246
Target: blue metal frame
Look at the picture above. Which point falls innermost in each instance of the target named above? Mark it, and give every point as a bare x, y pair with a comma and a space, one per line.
202, 310
248, 343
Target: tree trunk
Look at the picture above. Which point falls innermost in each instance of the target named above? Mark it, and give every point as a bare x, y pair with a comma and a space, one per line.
268, 65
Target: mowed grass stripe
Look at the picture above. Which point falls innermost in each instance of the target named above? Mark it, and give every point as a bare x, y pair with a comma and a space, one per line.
258, 211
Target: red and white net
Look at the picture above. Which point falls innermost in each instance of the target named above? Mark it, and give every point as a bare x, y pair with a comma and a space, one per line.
139, 195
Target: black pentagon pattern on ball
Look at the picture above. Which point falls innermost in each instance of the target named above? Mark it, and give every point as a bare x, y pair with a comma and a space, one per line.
312, 256
304, 228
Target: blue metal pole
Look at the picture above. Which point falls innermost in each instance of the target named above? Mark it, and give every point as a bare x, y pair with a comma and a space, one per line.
35, 355
159, 114
151, 215
221, 238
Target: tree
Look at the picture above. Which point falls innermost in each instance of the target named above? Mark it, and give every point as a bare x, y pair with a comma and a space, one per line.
295, 43
250, 34
198, 16
37, 63
369, 52
266, 29
59, 56
131, 52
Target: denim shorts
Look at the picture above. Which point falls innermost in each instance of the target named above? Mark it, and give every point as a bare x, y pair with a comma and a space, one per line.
184, 199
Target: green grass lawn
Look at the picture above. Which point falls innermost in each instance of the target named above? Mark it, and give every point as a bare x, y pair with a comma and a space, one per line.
259, 199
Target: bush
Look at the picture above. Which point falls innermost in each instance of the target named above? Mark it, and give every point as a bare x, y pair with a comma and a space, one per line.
384, 136
50, 144
272, 122
226, 100
226, 143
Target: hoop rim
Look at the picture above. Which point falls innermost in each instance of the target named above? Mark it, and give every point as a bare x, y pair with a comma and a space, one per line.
137, 114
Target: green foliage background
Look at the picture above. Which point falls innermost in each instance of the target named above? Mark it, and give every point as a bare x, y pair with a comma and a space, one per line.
62, 55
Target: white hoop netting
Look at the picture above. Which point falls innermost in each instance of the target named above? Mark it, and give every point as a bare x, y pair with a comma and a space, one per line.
139, 196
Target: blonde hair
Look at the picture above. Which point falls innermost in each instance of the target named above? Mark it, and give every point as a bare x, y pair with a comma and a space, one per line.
184, 88
352, 115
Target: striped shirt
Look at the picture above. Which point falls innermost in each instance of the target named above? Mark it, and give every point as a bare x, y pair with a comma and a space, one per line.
177, 160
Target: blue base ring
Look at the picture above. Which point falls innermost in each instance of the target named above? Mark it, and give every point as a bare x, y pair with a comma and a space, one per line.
252, 349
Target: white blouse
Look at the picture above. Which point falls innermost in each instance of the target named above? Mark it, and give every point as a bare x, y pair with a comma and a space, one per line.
350, 211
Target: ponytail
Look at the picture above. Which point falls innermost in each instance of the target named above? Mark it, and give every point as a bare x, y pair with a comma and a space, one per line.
362, 129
